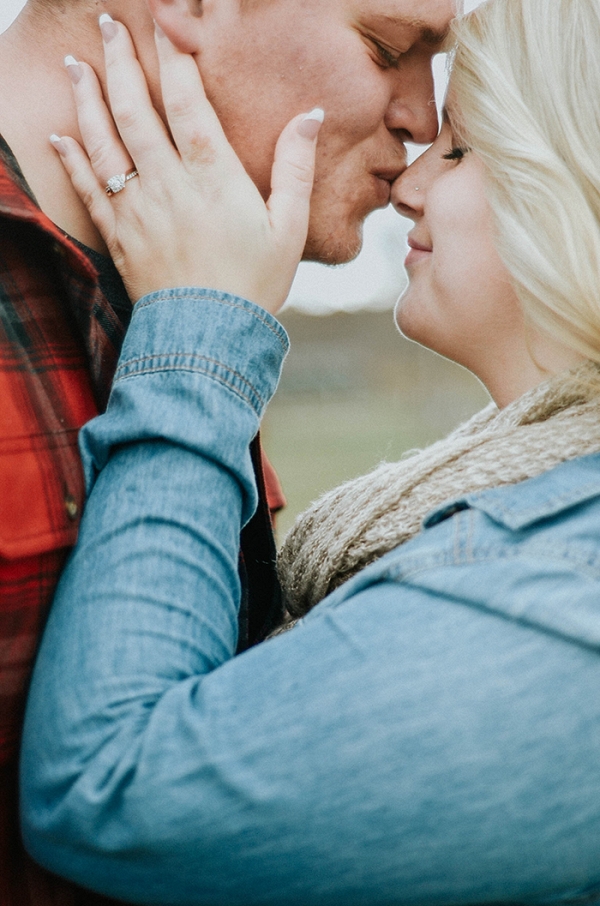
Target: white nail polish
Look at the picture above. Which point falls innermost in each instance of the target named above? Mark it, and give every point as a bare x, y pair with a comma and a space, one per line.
74, 69
317, 114
310, 124
108, 27
58, 144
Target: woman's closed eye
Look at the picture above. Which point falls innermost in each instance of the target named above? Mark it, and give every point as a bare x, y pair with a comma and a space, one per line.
456, 153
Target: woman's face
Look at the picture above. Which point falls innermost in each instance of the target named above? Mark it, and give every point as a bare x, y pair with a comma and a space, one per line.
460, 301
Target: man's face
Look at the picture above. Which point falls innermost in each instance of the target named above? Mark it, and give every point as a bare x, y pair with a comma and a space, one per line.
366, 62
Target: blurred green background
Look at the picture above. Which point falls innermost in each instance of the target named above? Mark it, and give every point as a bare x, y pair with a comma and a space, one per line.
354, 392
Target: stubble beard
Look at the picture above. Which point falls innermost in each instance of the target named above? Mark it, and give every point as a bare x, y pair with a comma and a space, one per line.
328, 247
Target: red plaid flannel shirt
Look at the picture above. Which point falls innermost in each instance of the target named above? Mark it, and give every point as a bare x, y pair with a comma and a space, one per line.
59, 343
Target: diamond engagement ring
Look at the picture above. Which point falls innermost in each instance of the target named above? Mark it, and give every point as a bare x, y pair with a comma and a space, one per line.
117, 183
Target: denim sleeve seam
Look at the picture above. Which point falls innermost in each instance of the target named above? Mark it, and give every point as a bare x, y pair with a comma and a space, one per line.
134, 368
199, 297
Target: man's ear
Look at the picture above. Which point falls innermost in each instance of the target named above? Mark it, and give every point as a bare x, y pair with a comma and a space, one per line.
181, 21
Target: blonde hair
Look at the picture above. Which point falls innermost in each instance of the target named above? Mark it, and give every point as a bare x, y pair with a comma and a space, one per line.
526, 82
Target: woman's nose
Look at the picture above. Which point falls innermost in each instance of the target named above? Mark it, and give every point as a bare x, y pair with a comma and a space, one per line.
407, 195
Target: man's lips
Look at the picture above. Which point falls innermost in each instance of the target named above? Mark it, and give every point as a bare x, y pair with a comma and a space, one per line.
418, 251
384, 178
383, 190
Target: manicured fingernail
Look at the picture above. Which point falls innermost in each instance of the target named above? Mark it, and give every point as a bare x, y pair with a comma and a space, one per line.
73, 68
158, 31
58, 143
108, 27
309, 126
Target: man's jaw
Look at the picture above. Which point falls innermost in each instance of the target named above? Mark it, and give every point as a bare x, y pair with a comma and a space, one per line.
327, 242
335, 247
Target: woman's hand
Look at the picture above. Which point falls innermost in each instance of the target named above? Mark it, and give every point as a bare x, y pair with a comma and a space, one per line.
193, 217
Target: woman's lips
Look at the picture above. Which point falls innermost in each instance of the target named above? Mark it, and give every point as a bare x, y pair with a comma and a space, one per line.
417, 252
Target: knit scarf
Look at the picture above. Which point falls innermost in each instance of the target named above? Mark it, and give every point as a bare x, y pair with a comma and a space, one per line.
363, 519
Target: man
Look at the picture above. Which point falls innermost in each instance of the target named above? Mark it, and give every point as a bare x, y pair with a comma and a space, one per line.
64, 310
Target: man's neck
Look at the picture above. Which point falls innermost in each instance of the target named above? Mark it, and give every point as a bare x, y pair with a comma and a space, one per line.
36, 100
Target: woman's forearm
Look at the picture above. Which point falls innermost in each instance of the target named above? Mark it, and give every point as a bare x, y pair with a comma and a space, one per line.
151, 595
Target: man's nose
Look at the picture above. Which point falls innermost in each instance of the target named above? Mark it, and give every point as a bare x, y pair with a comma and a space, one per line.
412, 112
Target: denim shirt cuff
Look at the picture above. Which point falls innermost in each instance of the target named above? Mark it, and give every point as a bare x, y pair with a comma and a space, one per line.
189, 352
225, 337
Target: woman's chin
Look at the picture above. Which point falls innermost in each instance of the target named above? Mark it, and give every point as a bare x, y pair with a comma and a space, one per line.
407, 323
412, 324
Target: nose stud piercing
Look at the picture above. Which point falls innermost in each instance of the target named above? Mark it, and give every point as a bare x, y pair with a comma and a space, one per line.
417, 188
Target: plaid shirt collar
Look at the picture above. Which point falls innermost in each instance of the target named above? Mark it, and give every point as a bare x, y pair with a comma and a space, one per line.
101, 330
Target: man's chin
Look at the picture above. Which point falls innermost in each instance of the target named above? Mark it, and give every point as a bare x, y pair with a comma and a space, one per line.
334, 248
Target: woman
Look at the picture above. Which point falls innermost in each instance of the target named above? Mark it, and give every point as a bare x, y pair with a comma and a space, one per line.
429, 732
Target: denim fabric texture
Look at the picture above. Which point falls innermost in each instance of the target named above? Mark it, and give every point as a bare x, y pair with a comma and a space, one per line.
430, 733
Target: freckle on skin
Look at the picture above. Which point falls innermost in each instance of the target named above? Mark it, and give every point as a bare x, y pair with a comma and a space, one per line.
201, 150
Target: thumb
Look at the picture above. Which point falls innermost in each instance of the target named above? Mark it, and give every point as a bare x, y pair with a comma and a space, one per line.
292, 180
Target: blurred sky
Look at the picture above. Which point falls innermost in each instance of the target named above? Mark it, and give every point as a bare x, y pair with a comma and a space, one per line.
376, 277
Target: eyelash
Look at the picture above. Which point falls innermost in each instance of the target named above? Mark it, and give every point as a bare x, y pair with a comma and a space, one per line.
455, 153
391, 60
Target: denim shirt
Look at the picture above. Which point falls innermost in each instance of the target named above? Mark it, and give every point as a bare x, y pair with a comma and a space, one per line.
430, 733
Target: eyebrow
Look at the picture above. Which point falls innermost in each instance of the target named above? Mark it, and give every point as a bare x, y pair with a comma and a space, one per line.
428, 35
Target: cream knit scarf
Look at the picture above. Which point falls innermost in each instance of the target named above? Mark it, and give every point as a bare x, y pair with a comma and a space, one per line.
361, 520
